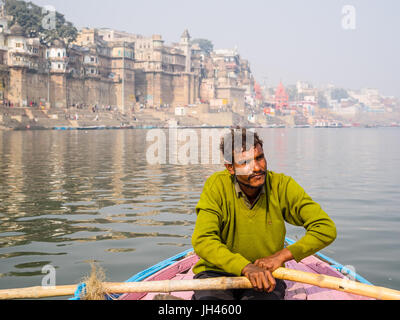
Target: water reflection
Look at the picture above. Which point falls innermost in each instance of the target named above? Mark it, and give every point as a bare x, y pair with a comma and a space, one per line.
72, 188
68, 197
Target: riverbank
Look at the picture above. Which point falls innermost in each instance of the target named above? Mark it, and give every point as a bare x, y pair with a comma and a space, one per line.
12, 118
77, 118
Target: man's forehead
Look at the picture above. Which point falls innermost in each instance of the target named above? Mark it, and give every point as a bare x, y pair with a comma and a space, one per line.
249, 154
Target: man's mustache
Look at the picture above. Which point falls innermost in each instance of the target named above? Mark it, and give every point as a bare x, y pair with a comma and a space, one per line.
254, 174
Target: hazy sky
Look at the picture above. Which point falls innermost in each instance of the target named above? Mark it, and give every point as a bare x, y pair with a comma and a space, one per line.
285, 40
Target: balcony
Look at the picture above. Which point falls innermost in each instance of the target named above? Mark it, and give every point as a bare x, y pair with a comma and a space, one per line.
58, 59
91, 63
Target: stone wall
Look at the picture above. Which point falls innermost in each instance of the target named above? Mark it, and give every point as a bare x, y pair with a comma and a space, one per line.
235, 96
160, 88
140, 86
217, 119
153, 88
22, 87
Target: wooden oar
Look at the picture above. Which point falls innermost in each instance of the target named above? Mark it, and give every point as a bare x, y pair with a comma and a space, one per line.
222, 283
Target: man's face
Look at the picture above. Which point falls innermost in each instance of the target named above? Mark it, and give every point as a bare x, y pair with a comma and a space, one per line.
250, 167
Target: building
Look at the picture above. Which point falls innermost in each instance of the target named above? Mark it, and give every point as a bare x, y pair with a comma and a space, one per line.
106, 67
165, 75
226, 81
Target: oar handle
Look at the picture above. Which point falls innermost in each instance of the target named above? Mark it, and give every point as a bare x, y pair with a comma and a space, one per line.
224, 283
339, 284
37, 292
221, 283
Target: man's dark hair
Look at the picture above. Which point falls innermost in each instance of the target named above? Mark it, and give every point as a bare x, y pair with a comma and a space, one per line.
238, 140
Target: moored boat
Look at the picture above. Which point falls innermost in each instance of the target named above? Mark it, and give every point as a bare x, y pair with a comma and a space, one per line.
179, 267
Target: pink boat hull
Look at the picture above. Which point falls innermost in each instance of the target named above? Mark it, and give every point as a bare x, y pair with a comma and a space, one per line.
182, 270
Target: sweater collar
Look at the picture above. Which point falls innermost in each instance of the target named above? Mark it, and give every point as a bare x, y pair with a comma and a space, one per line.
240, 193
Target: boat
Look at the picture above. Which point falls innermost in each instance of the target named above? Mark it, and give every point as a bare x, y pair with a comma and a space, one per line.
274, 126
179, 267
92, 128
302, 126
62, 128
321, 124
335, 124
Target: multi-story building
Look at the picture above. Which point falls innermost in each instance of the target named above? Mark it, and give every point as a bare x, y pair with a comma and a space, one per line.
164, 74
227, 80
26, 62
109, 67
57, 57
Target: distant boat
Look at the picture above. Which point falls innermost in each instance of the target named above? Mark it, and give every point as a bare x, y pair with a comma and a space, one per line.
65, 128
321, 124
92, 128
326, 124
302, 126
274, 126
335, 125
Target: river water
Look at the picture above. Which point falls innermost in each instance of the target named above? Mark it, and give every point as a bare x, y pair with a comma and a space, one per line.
68, 197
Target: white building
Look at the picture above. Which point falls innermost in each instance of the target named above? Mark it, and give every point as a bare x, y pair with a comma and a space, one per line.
57, 56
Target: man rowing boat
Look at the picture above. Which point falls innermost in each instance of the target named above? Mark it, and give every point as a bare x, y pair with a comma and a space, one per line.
240, 226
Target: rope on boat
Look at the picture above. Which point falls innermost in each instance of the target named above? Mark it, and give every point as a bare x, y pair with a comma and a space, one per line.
93, 284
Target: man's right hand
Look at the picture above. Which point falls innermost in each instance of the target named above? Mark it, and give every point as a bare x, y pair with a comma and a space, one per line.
261, 279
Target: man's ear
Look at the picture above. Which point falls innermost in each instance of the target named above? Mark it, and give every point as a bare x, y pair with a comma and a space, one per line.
230, 168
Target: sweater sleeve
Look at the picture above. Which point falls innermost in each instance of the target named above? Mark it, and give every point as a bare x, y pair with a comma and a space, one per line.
299, 209
206, 239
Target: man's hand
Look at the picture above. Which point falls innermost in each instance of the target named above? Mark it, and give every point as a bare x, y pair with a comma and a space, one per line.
275, 261
261, 279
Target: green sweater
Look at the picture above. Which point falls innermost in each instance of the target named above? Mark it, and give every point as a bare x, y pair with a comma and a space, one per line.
228, 235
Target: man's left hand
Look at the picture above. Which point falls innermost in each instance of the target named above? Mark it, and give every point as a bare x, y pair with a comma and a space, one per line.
275, 261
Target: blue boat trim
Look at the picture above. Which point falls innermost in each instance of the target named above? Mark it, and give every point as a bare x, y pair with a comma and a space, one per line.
79, 292
161, 265
342, 269
139, 276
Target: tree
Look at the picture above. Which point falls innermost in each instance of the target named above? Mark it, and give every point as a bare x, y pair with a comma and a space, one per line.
30, 17
322, 102
338, 94
292, 92
205, 45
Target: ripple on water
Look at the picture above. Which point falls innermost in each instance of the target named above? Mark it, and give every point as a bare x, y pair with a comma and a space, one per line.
77, 196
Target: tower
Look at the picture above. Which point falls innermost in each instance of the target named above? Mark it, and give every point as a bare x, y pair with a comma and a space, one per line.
186, 47
281, 97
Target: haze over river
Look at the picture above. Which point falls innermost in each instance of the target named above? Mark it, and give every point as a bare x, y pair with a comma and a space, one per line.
67, 197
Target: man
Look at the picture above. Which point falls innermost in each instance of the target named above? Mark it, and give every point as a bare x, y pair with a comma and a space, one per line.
240, 227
